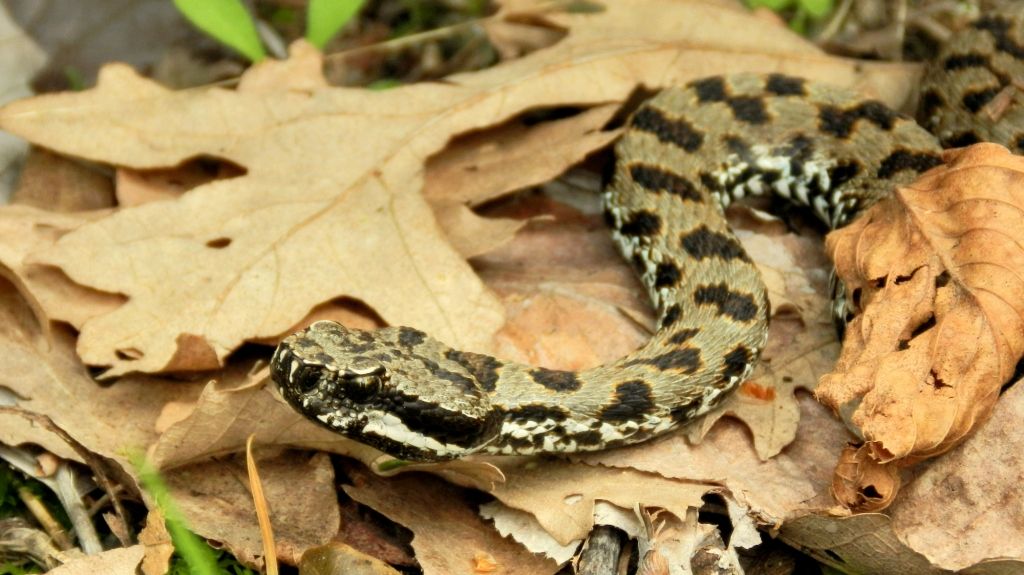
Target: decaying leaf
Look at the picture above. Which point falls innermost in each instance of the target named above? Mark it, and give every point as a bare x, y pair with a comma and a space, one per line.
934, 269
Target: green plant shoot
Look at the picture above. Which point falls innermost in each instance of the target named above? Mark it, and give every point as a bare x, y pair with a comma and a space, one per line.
325, 17
226, 20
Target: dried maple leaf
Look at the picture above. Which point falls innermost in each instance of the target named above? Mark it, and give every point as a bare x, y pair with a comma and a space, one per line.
936, 269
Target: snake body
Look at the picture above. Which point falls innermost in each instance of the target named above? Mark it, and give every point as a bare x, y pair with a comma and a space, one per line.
685, 154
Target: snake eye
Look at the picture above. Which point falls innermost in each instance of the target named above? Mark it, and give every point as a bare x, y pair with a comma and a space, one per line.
305, 379
363, 378
362, 387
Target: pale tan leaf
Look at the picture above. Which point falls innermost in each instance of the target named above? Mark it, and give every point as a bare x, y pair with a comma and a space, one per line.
936, 272
120, 561
448, 534
562, 495
157, 542
241, 259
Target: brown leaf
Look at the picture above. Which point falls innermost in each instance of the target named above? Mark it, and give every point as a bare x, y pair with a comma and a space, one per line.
336, 558
862, 484
243, 259
55, 183
448, 533
118, 561
936, 271
962, 509
216, 502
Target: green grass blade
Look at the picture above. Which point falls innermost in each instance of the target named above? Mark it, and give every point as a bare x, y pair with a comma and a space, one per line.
227, 21
197, 554
325, 17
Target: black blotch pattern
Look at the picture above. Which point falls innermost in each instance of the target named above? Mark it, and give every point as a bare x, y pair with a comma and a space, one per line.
666, 275
683, 336
961, 61
704, 243
840, 122
536, 413
1000, 29
656, 180
686, 359
737, 305
483, 367
961, 139
839, 174
632, 400
901, 160
782, 85
931, 102
555, 380
437, 422
749, 109
670, 316
709, 182
409, 337
710, 89
977, 99
641, 223
588, 438
736, 362
685, 411
670, 131
639, 265
609, 218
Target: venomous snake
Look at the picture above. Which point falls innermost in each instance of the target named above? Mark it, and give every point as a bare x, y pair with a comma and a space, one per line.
685, 154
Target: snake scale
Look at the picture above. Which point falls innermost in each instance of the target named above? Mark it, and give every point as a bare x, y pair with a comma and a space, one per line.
684, 155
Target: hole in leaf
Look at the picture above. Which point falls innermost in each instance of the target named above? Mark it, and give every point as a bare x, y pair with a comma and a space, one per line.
936, 381
218, 243
880, 282
942, 279
925, 326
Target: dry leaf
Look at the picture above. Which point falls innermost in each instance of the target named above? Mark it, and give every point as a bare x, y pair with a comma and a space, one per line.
963, 508
336, 558
936, 271
561, 495
216, 502
243, 259
119, 561
862, 484
48, 378
448, 534
52, 182
157, 542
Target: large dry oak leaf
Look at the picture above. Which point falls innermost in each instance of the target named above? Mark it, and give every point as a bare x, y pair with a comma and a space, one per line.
938, 270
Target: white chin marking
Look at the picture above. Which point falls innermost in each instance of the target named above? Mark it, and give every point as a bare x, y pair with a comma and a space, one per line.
388, 426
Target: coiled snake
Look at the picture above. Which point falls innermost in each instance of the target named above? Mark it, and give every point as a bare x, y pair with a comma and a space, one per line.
685, 154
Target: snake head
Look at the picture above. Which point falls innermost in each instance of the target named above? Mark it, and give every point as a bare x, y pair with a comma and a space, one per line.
391, 389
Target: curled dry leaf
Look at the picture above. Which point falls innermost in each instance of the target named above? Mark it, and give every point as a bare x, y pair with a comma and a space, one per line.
937, 271
861, 483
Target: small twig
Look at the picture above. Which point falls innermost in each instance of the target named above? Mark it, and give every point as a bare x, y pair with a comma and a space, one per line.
45, 518
837, 19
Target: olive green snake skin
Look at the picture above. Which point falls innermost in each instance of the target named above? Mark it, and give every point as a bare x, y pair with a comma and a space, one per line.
685, 154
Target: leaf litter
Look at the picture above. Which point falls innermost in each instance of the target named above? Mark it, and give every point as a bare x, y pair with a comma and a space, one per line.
177, 285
